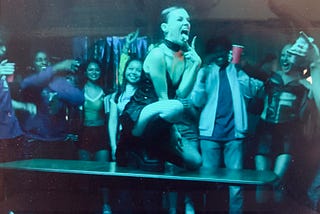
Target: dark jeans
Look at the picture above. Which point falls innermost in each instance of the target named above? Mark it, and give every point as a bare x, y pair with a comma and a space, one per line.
11, 149
231, 154
52, 150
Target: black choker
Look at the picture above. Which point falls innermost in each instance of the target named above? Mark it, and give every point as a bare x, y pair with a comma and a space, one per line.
172, 46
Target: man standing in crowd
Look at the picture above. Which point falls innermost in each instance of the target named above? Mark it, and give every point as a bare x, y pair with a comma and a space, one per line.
220, 91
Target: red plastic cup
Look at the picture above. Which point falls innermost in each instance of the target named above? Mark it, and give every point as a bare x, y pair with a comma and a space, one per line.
236, 53
10, 78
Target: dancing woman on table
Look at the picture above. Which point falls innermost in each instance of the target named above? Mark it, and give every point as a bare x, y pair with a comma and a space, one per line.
148, 119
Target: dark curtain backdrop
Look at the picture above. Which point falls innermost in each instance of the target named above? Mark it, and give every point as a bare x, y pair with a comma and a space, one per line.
107, 50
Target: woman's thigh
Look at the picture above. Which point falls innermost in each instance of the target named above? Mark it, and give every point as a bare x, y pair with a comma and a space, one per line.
169, 110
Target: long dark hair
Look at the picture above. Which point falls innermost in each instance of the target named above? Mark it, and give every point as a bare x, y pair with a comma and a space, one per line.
122, 87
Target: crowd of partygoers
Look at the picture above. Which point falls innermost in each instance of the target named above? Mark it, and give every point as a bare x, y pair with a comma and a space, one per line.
170, 107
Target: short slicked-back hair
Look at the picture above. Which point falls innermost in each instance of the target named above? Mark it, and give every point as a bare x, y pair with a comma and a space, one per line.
165, 13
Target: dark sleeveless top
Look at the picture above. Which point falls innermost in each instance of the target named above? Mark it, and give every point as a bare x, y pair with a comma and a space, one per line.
144, 95
284, 102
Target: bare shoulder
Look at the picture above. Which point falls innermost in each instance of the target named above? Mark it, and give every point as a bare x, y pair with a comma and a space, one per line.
154, 59
156, 53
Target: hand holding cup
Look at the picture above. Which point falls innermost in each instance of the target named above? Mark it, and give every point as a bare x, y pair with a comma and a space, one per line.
6, 68
236, 53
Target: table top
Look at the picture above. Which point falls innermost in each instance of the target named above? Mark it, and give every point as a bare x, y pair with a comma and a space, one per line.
221, 175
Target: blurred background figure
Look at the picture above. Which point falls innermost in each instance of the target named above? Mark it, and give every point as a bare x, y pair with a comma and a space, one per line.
10, 132
286, 97
52, 93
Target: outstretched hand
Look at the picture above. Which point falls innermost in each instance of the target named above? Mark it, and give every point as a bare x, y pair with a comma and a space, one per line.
305, 47
31, 108
67, 65
131, 37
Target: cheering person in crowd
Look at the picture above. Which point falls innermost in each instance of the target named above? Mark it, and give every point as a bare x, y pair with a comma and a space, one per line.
10, 132
130, 69
52, 93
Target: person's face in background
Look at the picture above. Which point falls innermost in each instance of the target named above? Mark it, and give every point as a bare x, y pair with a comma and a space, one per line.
220, 56
93, 72
40, 61
133, 72
3, 48
177, 27
287, 60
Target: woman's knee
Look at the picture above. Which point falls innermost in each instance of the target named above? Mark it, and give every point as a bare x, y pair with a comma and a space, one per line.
192, 159
171, 110
194, 163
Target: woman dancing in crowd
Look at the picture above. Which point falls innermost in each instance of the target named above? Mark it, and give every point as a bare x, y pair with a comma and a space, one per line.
286, 97
305, 47
148, 119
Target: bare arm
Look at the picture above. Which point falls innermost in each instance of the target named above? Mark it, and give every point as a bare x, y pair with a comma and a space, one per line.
188, 80
43, 78
193, 63
113, 124
198, 94
29, 107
